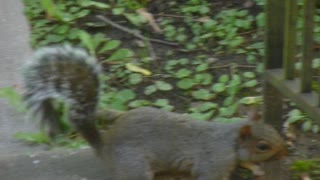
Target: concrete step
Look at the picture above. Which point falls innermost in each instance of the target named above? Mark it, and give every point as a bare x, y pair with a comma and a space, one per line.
52, 165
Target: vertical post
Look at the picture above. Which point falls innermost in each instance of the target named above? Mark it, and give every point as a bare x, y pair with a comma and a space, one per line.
306, 71
290, 38
275, 19
272, 110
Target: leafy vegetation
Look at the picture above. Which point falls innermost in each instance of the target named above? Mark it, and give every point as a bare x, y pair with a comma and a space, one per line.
306, 169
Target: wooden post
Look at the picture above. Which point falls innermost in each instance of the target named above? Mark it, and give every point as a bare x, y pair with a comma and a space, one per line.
275, 17
306, 71
290, 37
272, 110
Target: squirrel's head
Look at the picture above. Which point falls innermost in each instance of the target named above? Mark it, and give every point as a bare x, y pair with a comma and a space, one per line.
258, 141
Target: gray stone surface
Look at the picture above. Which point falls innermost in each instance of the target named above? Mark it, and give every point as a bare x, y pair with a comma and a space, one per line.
14, 51
57, 165
19, 161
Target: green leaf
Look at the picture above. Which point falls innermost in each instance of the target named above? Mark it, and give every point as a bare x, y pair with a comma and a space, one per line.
83, 13
164, 104
161, 102
118, 11
202, 116
37, 138
294, 118
218, 87
204, 107
110, 45
228, 101
121, 54
249, 74
55, 38
315, 129
251, 83
204, 78
306, 126
204, 9
138, 103
224, 78
202, 94
86, 40
251, 100
150, 89
183, 61
125, 95
135, 78
185, 83
183, 73
95, 4
163, 86
202, 67
13, 97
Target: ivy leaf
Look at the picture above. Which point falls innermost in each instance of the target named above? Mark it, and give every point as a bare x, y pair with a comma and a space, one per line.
224, 78
306, 126
202, 116
125, 95
294, 118
251, 83
218, 87
202, 94
204, 107
121, 54
249, 75
135, 78
118, 11
87, 41
185, 83
110, 45
251, 100
183, 73
315, 129
202, 67
150, 89
163, 86
138, 103
161, 102
164, 104
204, 78
95, 4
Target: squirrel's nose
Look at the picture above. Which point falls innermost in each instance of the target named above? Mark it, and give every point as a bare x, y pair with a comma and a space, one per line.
281, 153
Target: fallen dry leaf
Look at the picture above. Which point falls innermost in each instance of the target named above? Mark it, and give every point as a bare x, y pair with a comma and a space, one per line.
143, 12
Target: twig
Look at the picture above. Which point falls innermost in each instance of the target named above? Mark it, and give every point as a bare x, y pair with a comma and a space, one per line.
172, 15
134, 33
248, 32
152, 53
229, 65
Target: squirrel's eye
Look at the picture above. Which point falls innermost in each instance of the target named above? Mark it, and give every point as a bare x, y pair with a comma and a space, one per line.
263, 146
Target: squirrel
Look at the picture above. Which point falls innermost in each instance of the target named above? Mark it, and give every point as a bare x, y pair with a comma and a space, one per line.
142, 142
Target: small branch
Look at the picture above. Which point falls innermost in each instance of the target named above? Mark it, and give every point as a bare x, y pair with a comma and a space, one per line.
134, 33
172, 15
229, 65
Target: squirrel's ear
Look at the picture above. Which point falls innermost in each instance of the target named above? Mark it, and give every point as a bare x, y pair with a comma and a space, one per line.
245, 132
254, 115
251, 112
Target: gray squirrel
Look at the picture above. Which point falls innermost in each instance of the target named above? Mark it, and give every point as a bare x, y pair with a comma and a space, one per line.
145, 141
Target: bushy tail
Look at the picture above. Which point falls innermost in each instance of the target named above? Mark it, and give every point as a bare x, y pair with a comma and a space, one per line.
68, 74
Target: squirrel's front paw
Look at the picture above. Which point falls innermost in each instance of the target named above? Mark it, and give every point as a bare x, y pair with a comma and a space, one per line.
254, 168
